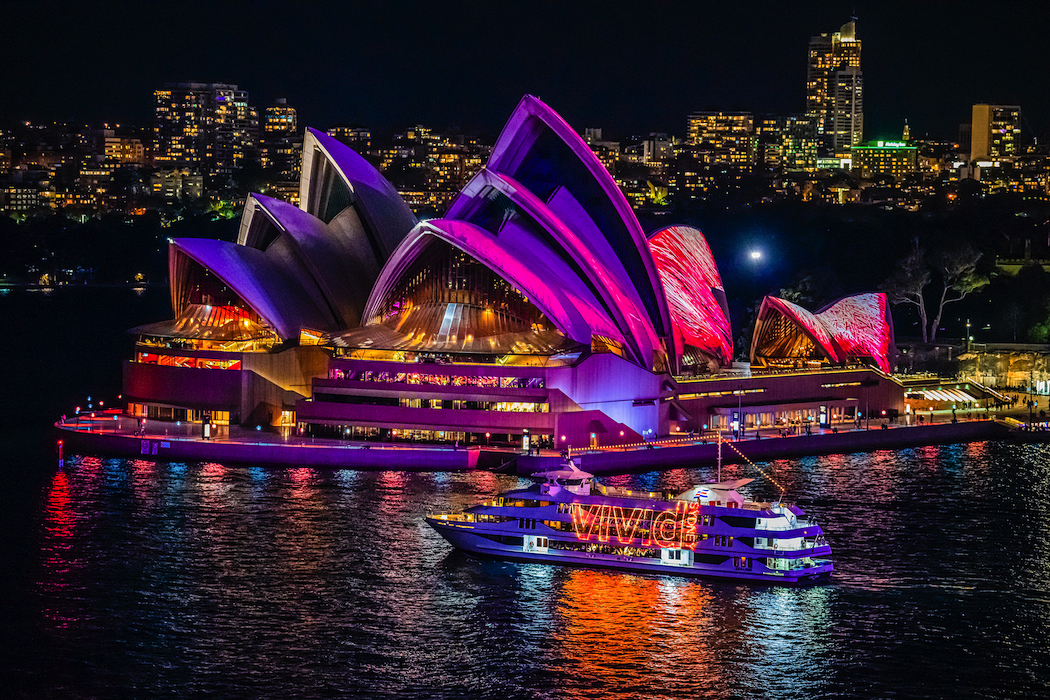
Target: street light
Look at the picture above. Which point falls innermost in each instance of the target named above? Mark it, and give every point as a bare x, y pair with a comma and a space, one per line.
755, 255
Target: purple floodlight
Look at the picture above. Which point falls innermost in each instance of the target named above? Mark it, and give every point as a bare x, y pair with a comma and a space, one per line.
589, 256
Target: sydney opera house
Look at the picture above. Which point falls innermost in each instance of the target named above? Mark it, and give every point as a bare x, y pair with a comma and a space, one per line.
536, 311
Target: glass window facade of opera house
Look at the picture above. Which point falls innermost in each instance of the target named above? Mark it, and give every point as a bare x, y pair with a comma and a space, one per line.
535, 306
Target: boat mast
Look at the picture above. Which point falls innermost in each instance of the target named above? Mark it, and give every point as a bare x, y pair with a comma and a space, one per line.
719, 434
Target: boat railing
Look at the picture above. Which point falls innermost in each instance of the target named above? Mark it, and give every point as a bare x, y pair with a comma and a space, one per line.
620, 492
781, 546
777, 523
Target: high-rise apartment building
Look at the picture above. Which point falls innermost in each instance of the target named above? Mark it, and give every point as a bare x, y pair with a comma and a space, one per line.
722, 137
835, 88
206, 126
280, 118
281, 150
356, 137
995, 131
788, 143
846, 127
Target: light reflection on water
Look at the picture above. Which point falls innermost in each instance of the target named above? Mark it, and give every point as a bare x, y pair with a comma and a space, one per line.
185, 579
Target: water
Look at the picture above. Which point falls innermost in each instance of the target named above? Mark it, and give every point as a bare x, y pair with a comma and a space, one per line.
149, 579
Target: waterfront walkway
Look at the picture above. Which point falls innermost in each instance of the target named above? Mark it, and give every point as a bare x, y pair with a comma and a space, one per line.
111, 433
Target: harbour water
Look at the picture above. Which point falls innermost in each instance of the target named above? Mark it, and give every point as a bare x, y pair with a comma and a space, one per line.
150, 579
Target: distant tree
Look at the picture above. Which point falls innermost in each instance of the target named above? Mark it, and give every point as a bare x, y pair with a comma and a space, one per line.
957, 269
812, 288
906, 284
1040, 332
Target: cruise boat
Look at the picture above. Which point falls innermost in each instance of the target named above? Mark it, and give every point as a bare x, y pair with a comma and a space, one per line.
568, 518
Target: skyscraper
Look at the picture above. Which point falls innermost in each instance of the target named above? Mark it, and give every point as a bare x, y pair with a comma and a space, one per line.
995, 131
209, 126
835, 88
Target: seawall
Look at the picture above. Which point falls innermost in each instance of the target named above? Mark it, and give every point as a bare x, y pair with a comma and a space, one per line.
436, 458
765, 449
269, 454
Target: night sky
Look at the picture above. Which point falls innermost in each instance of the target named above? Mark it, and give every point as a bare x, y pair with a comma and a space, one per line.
627, 67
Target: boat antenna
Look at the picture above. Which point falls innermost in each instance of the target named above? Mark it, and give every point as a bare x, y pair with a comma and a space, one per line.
744, 457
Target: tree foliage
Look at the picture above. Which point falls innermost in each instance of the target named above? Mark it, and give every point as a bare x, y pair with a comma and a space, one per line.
907, 283
956, 269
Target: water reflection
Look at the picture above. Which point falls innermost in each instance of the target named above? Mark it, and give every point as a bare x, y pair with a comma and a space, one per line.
622, 633
786, 633
211, 578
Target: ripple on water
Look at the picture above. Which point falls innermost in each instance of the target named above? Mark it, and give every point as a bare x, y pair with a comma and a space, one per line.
163, 579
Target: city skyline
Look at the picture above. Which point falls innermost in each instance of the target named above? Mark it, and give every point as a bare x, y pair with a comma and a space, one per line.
465, 64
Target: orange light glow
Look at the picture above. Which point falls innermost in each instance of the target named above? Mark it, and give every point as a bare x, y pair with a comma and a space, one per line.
675, 527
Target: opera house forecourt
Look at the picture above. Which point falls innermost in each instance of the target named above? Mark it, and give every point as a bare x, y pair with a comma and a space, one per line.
535, 313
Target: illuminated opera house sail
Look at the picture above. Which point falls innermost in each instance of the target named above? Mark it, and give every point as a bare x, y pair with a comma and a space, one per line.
855, 327
535, 309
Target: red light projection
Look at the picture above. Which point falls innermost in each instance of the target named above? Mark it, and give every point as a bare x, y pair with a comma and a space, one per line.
673, 528
807, 321
693, 288
861, 328
853, 327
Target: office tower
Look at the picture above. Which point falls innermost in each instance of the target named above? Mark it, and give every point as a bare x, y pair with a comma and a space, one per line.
834, 88
788, 143
722, 137
895, 158
847, 109
995, 131
205, 126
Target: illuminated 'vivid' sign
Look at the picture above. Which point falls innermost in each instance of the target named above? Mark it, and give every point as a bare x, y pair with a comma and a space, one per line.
670, 528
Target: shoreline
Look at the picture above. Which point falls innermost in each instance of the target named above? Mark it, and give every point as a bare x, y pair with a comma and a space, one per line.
88, 435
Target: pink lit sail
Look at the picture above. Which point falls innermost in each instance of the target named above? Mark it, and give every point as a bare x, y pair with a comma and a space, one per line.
690, 280
860, 328
808, 322
856, 326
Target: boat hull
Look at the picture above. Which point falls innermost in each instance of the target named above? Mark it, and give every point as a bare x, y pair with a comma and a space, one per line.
466, 537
